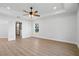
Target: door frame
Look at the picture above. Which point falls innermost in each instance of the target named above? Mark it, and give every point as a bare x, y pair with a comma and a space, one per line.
20, 29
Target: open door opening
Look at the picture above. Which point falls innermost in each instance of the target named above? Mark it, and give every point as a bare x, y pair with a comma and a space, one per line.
18, 30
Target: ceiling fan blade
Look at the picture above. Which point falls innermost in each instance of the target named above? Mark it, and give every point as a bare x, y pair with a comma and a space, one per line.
37, 15
35, 11
25, 11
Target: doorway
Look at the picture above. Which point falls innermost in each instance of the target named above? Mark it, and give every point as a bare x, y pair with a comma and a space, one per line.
18, 30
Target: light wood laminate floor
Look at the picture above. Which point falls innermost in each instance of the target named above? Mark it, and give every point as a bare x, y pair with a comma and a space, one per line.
37, 47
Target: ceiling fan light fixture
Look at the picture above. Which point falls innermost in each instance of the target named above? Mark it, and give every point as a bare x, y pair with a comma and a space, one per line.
31, 16
32, 12
31, 7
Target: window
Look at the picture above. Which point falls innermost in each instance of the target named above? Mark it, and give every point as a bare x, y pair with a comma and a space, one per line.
36, 27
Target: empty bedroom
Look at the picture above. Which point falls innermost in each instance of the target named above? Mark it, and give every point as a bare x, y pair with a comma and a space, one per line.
39, 29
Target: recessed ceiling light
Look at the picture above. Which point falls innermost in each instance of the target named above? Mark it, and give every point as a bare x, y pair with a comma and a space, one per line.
8, 8
54, 8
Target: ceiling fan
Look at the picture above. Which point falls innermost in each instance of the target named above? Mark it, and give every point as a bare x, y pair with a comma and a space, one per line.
31, 12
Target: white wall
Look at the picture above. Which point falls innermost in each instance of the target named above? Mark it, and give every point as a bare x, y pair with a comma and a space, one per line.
11, 30
78, 28
26, 29
3, 28
58, 27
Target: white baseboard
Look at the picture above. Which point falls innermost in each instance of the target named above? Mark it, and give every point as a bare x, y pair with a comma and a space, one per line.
78, 45
54, 39
26, 36
10, 40
50, 39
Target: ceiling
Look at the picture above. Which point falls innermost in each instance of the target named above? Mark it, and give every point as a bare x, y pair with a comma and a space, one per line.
43, 8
